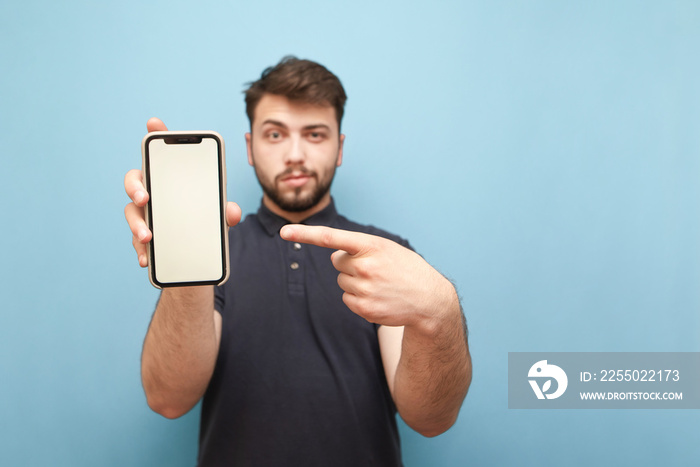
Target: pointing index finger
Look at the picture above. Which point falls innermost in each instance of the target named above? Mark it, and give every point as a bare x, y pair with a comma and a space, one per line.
353, 243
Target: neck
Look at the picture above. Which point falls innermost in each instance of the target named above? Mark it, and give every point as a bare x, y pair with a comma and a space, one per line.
297, 217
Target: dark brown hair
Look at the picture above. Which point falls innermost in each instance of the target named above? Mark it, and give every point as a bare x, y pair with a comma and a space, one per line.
297, 80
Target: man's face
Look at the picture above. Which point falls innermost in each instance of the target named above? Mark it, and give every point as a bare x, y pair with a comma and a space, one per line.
295, 148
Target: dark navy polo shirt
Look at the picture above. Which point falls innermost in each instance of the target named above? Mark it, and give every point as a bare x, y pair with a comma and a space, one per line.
299, 378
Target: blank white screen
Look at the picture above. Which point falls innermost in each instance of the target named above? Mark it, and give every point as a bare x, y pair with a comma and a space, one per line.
185, 208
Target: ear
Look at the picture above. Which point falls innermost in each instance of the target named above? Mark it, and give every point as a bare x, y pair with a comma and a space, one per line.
340, 151
249, 148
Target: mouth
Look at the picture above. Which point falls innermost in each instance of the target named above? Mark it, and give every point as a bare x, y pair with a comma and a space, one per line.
296, 180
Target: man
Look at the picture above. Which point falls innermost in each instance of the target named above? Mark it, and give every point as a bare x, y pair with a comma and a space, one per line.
325, 327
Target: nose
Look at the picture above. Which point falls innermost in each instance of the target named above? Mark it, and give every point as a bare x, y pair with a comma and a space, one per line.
295, 154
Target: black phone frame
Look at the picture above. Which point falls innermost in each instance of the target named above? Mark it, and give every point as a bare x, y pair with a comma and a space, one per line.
222, 206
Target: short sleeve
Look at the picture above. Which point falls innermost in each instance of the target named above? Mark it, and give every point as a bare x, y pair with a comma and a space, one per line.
219, 298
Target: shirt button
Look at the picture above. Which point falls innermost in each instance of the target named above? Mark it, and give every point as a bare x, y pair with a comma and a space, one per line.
294, 265
297, 246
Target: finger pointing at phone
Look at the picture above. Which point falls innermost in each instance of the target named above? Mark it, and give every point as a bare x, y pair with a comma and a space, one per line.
384, 282
427, 363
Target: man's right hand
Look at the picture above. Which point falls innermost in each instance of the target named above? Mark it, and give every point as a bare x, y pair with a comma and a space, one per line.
134, 213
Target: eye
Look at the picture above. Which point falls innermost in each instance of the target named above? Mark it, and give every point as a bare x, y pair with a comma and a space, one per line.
316, 136
274, 135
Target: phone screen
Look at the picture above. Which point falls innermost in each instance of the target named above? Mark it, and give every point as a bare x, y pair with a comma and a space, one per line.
185, 212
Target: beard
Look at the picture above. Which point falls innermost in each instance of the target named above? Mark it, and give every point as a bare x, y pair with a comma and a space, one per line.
297, 200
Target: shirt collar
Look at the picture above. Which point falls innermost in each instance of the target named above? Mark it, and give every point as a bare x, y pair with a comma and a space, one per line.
272, 223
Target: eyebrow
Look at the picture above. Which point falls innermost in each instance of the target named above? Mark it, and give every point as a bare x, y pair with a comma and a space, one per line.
274, 122
313, 126
317, 126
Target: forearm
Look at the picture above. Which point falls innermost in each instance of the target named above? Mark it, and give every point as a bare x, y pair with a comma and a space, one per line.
434, 370
180, 350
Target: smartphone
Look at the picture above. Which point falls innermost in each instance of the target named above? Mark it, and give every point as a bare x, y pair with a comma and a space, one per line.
185, 175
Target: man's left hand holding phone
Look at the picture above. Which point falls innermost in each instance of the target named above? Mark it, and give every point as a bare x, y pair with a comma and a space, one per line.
181, 346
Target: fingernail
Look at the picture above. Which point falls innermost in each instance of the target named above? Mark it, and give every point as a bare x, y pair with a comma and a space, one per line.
139, 196
143, 261
142, 234
286, 231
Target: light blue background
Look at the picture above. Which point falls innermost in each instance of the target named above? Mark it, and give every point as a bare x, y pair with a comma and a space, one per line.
542, 154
